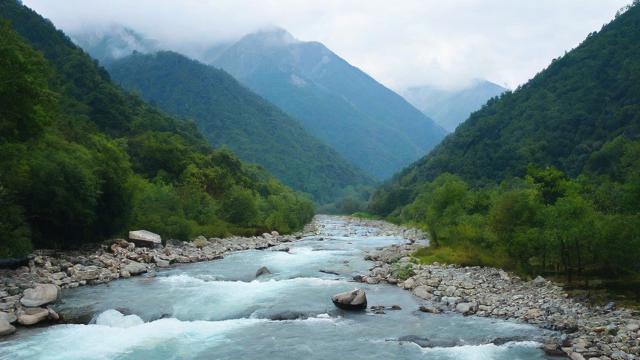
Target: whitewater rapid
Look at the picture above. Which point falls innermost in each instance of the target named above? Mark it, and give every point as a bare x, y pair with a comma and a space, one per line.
219, 310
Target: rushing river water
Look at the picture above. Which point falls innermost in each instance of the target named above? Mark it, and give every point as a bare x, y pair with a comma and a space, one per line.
218, 310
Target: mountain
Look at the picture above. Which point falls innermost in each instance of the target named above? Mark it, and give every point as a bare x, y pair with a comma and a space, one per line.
367, 123
564, 117
451, 107
231, 115
113, 42
84, 161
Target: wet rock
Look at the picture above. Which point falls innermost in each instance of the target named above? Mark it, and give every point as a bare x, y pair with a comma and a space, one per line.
429, 309
428, 343
32, 316
263, 271
145, 238
330, 272
351, 300
6, 328
42, 294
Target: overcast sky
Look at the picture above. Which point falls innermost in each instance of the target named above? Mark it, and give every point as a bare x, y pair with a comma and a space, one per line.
401, 43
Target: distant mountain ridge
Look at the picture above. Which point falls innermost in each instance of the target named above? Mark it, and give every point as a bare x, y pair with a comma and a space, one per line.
231, 115
449, 108
366, 122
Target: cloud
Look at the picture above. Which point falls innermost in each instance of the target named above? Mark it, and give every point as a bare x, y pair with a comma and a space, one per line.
400, 43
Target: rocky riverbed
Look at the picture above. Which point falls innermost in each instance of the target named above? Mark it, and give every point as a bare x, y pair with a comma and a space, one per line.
586, 332
28, 293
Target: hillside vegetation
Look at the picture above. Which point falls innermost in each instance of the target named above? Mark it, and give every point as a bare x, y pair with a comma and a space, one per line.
543, 179
83, 161
231, 115
367, 123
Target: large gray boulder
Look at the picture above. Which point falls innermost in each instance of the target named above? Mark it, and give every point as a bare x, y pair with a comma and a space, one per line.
467, 308
6, 328
351, 300
31, 316
135, 268
42, 294
145, 238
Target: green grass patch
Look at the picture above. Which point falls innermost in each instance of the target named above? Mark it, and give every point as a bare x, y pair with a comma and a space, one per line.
366, 215
462, 254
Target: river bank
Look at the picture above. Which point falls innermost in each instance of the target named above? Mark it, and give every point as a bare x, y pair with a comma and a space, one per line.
28, 293
588, 332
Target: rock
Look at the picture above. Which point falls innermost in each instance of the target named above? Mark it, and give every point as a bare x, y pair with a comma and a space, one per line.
6, 328
428, 343
553, 349
42, 294
53, 315
9, 317
351, 300
539, 281
429, 309
135, 268
330, 272
467, 308
31, 316
263, 271
161, 263
84, 273
145, 238
422, 292
200, 242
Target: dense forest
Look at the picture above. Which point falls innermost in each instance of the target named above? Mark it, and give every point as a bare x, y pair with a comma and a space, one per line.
542, 179
83, 161
231, 115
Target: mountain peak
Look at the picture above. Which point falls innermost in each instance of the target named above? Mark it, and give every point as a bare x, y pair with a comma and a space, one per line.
273, 36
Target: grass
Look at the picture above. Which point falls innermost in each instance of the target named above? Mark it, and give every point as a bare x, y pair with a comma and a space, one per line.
366, 215
462, 254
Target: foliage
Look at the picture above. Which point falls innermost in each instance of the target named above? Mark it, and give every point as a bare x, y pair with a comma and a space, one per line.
229, 114
402, 272
83, 161
584, 99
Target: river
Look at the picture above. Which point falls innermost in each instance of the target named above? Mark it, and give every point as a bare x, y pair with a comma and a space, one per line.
219, 310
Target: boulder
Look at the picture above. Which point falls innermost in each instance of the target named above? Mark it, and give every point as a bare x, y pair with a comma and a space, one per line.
429, 309
161, 263
351, 300
539, 281
423, 292
6, 328
135, 268
467, 308
9, 317
31, 316
145, 238
42, 294
263, 271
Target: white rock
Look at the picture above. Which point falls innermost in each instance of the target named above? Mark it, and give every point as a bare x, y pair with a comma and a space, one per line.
145, 238
30, 316
40, 295
135, 268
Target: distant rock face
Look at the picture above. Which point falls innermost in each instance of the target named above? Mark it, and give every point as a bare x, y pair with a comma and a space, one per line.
42, 294
145, 238
351, 300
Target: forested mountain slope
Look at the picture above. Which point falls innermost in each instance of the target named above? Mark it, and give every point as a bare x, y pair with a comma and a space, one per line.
83, 161
544, 180
231, 115
560, 118
364, 121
